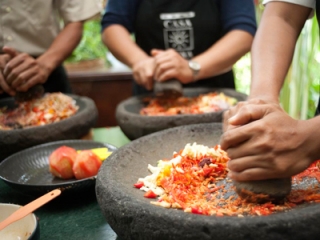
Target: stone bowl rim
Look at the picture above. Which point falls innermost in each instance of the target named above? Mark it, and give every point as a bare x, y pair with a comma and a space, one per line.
157, 213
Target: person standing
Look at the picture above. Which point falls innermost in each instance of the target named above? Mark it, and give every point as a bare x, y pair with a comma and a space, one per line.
196, 42
261, 139
33, 45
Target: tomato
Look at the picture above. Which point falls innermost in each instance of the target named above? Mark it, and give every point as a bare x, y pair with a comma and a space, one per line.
138, 184
207, 171
35, 109
150, 194
41, 117
86, 164
196, 210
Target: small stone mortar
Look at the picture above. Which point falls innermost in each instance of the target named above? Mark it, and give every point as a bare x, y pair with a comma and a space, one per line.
134, 125
74, 127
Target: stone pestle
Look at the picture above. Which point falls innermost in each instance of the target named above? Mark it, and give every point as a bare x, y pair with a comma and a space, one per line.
263, 190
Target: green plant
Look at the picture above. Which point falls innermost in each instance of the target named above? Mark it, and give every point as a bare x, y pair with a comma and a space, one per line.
242, 72
90, 46
300, 93
301, 89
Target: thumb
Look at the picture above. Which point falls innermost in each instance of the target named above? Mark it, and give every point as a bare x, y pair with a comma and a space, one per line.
155, 52
11, 51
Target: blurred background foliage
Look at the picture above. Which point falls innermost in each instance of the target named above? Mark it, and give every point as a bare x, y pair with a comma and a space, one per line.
300, 93
90, 46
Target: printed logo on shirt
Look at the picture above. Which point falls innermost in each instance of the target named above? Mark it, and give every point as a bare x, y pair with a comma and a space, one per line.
178, 32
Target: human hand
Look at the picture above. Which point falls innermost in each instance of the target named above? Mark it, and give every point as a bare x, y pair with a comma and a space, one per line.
265, 143
4, 87
232, 111
143, 72
170, 64
23, 71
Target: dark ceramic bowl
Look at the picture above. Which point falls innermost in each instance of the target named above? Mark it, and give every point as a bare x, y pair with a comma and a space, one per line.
26, 228
74, 127
132, 216
28, 170
135, 125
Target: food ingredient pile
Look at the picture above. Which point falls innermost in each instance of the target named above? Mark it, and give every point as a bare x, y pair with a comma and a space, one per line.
52, 107
195, 180
204, 103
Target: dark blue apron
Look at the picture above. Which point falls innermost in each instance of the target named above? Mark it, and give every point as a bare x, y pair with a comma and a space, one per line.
190, 27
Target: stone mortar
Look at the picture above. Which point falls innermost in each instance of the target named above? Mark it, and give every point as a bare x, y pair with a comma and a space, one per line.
132, 216
74, 127
135, 125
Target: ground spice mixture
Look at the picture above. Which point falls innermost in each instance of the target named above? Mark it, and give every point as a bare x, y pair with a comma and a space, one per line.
204, 103
195, 180
50, 108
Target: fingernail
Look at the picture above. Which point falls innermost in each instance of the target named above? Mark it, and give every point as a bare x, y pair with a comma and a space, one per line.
229, 175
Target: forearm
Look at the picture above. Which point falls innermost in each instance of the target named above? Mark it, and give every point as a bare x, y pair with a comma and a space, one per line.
221, 56
273, 48
121, 45
62, 46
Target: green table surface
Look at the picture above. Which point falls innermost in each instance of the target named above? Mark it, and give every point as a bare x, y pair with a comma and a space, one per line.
76, 217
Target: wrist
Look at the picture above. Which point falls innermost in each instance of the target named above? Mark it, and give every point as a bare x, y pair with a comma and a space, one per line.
195, 68
136, 58
47, 65
263, 97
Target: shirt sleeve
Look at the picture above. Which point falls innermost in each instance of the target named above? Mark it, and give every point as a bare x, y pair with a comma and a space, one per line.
78, 10
121, 12
306, 3
238, 15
